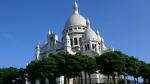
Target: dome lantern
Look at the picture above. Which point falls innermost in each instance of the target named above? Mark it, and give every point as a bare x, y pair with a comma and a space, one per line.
75, 7
75, 19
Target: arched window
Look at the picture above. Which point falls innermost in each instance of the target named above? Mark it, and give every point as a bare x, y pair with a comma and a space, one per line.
87, 47
75, 41
75, 28
70, 29
93, 46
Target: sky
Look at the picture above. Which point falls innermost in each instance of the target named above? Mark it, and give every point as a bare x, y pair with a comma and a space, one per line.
23, 23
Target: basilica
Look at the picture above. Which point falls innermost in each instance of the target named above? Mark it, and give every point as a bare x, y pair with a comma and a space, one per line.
77, 36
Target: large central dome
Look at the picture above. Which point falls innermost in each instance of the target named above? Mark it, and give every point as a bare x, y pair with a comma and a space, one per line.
76, 19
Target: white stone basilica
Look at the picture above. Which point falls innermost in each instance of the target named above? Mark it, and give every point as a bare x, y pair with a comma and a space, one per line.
77, 36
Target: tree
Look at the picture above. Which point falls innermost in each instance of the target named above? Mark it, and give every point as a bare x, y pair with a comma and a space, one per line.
88, 64
111, 62
50, 68
42, 69
91, 67
144, 71
71, 66
133, 67
68, 64
9, 74
20, 76
35, 71
148, 75
54, 66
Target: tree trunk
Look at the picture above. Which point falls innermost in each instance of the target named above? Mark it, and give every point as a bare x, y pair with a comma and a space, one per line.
85, 77
65, 80
137, 80
52, 81
144, 80
42, 81
33, 81
89, 78
134, 81
108, 80
74, 80
124, 79
68, 81
114, 80
81, 79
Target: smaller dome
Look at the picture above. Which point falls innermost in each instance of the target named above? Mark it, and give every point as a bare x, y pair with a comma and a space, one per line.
75, 20
89, 34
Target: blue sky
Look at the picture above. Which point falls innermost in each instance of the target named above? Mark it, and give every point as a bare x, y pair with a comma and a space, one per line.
23, 23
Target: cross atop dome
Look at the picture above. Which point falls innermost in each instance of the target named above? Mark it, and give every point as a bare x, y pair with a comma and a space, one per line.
75, 7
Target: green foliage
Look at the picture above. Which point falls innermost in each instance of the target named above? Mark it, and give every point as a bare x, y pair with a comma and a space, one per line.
42, 69
87, 63
144, 70
133, 66
111, 62
61, 64
116, 61
64, 64
9, 74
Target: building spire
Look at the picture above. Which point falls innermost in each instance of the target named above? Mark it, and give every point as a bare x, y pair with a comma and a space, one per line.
110, 46
97, 32
88, 23
75, 7
37, 54
49, 33
67, 36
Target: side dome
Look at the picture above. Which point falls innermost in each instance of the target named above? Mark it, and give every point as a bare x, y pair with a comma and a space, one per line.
89, 34
75, 20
